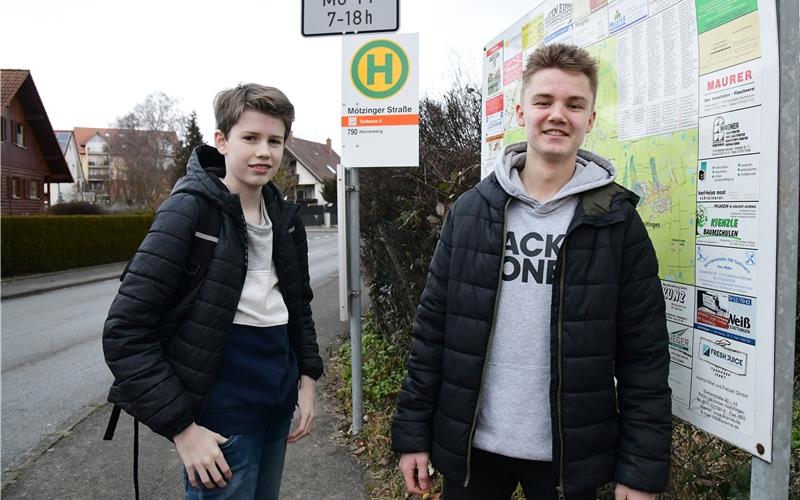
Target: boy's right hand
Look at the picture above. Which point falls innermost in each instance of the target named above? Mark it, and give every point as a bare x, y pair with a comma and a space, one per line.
198, 447
414, 467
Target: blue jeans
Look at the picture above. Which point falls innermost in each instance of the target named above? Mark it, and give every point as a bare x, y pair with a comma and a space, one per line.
256, 461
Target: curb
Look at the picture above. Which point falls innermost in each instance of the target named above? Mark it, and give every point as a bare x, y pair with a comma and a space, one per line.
50, 288
33, 284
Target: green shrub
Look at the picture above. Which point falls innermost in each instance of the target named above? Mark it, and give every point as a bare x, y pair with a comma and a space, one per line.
38, 244
76, 208
382, 368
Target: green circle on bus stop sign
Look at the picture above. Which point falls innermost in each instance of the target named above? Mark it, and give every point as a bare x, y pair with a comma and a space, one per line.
365, 67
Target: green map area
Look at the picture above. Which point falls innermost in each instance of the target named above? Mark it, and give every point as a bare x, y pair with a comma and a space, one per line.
661, 169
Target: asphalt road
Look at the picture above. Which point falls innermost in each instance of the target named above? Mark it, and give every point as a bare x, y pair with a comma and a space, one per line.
52, 360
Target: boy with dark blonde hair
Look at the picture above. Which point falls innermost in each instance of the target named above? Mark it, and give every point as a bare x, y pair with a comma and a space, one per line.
220, 368
539, 351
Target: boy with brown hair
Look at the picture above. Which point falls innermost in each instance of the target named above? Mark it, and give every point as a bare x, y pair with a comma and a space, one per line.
220, 369
539, 351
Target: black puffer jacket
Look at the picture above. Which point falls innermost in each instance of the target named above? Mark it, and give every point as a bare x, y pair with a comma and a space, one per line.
164, 349
607, 321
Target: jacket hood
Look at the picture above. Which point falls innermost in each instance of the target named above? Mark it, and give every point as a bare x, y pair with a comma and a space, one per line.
204, 173
591, 171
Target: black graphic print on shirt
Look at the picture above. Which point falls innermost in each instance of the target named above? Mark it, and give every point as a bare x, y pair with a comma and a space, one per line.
531, 258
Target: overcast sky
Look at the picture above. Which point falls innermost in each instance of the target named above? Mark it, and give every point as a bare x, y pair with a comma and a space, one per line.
93, 61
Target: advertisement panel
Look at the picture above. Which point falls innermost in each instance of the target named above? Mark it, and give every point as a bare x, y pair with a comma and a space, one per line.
686, 114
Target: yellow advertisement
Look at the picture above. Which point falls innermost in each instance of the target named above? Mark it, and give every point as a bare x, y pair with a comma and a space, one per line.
533, 32
732, 43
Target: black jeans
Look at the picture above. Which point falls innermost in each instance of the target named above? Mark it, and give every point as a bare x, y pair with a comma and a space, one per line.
495, 477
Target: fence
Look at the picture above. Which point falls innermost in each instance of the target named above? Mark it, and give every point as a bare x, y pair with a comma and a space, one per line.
317, 215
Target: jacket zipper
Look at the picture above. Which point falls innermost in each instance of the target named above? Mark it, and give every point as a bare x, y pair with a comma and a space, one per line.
489, 344
560, 487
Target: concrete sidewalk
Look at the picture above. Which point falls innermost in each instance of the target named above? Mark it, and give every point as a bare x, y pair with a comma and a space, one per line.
80, 465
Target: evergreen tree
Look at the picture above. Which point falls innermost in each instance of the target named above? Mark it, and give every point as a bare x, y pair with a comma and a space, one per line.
329, 191
286, 177
191, 139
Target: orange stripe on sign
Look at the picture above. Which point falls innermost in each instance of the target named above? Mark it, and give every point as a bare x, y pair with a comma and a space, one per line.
379, 120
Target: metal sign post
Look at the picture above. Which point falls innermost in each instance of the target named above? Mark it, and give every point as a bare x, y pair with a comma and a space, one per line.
350, 280
770, 481
354, 294
341, 230
380, 128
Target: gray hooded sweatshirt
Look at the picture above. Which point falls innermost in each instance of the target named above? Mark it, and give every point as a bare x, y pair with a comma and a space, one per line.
514, 406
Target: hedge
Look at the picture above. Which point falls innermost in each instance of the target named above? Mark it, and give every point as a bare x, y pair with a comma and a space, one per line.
39, 244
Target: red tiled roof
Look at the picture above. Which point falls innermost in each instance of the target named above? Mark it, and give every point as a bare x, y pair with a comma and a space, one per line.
319, 159
10, 82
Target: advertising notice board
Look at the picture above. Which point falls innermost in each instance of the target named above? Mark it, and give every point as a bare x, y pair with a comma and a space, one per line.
380, 101
690, 120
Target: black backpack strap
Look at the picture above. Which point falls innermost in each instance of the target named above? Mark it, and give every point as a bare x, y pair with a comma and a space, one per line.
210, 220
209, 227
109, 435
112, 423
204, 241
136, 458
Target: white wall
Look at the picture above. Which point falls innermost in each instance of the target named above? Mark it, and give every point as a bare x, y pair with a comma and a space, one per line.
305, 177
63, 192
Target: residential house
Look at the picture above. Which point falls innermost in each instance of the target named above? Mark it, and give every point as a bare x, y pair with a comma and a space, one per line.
103, 151
30, 157
313, 163
75, 191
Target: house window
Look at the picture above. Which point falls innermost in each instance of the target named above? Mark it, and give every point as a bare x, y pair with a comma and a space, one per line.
34, 189
19, 134
3, 129
15, 187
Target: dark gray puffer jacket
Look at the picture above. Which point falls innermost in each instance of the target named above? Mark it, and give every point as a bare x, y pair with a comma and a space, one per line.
164, 349
607, 320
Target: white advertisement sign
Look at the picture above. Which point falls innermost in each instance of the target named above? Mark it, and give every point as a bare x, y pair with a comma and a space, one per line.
723, 385
731, 133
727, 315
380, 101
732, 178
679, 299
733, 269
731, 88
732, 224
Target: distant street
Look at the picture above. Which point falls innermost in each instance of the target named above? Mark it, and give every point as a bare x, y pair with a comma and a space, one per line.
52, 360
